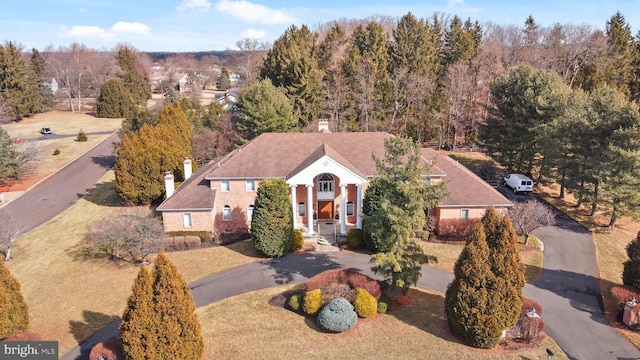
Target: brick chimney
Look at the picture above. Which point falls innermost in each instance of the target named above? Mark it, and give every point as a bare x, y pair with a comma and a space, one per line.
169, 184
323, 125
187, 168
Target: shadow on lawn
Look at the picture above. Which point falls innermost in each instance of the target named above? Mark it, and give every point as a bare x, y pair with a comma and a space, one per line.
103, 194
85, 331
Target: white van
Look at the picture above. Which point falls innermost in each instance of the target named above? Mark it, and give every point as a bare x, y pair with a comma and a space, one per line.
519, 183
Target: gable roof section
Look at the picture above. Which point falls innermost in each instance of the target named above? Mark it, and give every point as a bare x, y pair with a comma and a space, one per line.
281, 155
192, 194
463, 186
326, 150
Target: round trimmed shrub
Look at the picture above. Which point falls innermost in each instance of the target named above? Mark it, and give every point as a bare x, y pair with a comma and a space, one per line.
297, 242
337, 316
312, 301
355, 239
633, 249
383, 307
631, 273
82, 136
295, 302
366, 305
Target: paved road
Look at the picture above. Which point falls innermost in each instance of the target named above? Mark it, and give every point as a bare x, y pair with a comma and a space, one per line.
569, 292
61, 190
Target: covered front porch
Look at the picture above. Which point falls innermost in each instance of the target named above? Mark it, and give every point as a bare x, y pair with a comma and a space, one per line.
326, 192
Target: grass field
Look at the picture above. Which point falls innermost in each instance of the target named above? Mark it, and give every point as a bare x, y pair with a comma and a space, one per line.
61, 123
418, 330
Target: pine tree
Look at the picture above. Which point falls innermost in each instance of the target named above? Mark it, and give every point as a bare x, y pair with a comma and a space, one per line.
265, 108
14, 314
469, 300
160, 320
139, 320
39, 67
178, 329
18, 83
622, 54
223, 82
272, 220
291, 65
114, 100
400, 219
134, 77
507, 267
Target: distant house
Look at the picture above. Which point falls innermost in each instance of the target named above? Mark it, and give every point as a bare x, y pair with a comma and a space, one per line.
227, 100
327, 173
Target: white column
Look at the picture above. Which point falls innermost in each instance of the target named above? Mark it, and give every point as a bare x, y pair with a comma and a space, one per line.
294, 205
359, 208
343, 209
310, 209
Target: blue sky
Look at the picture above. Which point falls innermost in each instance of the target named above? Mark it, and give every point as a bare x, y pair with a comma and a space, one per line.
200, 25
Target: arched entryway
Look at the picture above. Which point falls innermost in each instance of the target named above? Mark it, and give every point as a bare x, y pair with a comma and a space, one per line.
325, 196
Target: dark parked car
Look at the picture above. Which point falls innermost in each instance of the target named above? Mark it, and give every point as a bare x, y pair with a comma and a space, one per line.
45, 131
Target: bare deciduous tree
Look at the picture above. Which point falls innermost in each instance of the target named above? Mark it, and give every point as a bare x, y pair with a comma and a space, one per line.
124, 235
10, 229
530, 215
459, 88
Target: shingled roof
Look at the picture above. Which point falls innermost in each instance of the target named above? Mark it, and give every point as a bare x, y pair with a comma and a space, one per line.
463, 186
193, 194
282, 155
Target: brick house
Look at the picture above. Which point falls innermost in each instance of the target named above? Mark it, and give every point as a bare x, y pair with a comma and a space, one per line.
327, 174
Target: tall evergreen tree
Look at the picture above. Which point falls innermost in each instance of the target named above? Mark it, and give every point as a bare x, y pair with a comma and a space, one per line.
622, 54
507, 267
272, 220
469, 300
291, 64
265, 108
524, 99
18, 82
366, 71
145, 156
461, 41
114, 101
223, 82
139, 321
400, 220
160, 320
178, 328
14, 314
134, 77
39, 66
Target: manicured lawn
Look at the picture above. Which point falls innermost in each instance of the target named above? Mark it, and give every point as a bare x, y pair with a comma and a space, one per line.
448, 254
247, 327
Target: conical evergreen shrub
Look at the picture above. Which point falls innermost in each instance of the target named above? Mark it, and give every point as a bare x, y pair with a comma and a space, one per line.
14, 314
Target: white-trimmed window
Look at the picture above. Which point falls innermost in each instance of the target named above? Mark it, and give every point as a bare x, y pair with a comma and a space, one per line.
186, 219
464, 214
302, 209
350, 208
226, 213
224, 185
250, 212
251, 185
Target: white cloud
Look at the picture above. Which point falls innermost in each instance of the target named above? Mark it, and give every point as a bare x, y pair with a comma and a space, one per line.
122, 27
453, 3
253, 34
83, 10
87, 32
254, 13
115, 33
194, 4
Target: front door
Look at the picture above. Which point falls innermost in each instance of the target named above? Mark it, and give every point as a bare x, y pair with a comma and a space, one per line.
325, 210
